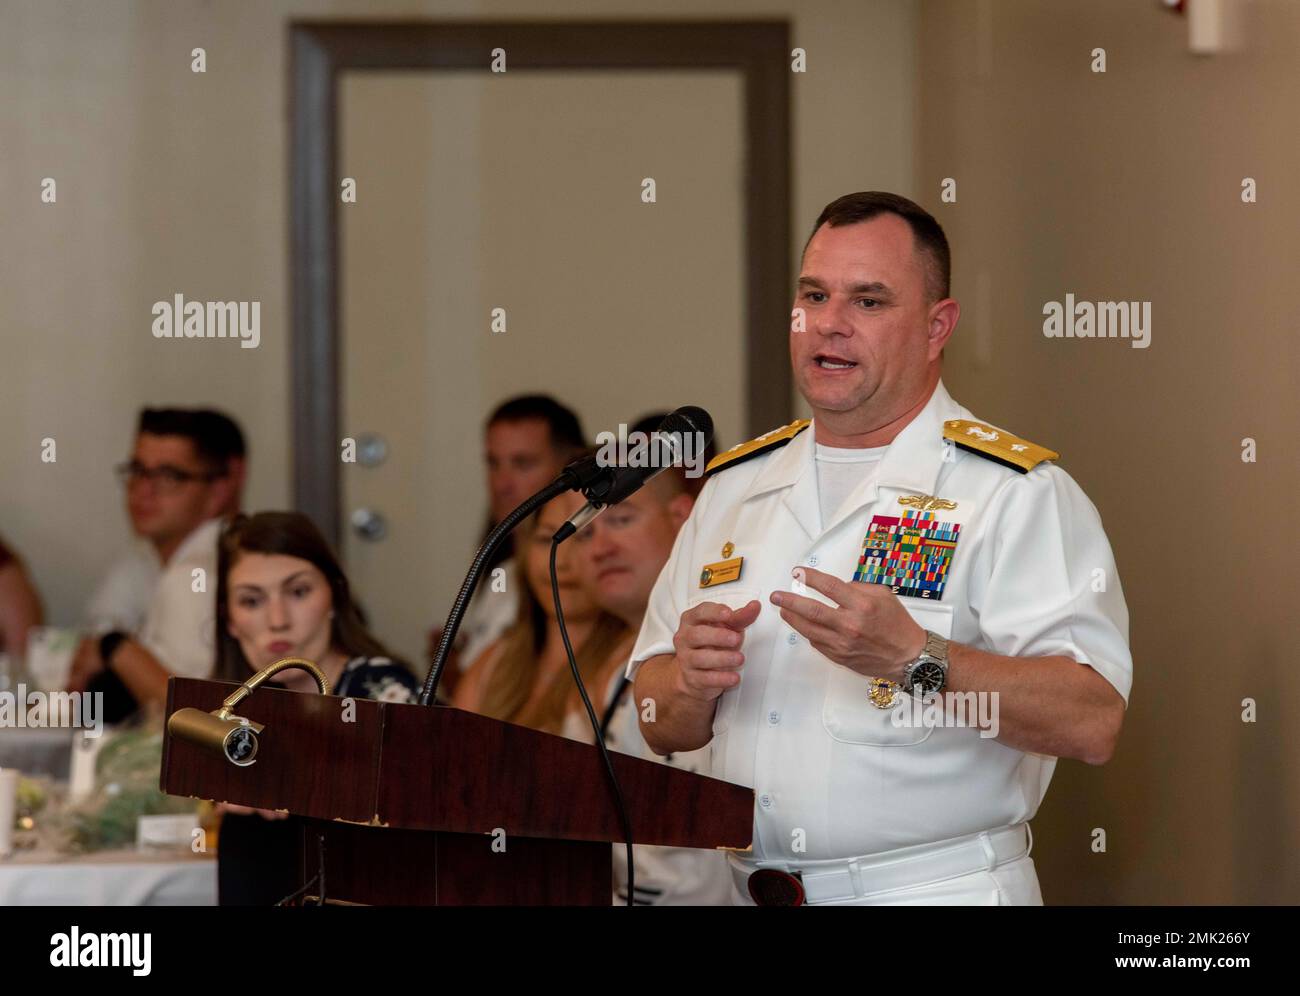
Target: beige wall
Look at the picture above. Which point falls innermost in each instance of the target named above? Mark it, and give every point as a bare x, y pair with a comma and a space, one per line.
174, 182
1126, 186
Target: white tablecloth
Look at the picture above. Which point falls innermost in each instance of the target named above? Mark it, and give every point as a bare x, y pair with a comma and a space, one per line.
119, 878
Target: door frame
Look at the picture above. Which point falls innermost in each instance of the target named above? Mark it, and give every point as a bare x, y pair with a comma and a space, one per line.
320, 50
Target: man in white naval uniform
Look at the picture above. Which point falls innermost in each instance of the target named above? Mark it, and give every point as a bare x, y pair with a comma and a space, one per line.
894, 547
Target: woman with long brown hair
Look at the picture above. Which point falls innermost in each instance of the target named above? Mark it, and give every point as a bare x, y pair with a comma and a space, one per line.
524, 676
281, 593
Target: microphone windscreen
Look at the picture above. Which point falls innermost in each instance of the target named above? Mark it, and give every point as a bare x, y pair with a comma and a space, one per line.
689, 418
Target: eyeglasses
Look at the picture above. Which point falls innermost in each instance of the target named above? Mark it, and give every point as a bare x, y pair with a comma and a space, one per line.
167, 477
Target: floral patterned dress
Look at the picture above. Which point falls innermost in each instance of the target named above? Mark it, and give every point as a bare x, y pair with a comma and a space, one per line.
377, 678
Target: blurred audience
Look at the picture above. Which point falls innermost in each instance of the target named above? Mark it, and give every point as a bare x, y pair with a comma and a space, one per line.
153, 611
620, 556
20, 605
523, 676
281, 593
528, 440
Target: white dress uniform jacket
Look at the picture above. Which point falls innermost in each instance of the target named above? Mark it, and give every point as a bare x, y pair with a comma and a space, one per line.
1031, 575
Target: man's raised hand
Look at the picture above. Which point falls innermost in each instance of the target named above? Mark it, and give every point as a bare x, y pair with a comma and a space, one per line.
707, 647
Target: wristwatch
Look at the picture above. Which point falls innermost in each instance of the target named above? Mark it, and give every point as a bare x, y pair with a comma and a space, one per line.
929, 672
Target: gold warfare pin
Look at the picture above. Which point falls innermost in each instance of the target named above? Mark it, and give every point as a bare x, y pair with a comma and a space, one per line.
926, 503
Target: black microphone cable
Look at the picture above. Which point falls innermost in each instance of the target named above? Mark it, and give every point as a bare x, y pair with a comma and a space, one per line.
614, 702
619, 801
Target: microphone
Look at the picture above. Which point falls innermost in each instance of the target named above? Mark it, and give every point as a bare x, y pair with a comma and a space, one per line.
610, 485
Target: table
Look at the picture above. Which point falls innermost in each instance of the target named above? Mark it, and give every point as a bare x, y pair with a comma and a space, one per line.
109, 878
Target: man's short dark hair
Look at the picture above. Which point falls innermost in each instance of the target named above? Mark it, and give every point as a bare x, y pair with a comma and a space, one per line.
927, 233
216, 437
565, 429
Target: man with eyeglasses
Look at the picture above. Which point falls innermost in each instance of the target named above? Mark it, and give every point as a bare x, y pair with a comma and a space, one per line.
152, 614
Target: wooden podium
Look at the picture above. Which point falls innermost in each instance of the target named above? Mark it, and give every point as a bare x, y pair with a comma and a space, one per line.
408, 801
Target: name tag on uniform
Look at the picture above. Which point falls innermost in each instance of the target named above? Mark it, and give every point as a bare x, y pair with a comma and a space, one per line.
910, 553
721, 572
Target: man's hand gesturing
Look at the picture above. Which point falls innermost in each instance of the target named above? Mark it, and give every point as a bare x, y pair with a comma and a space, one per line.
707, 648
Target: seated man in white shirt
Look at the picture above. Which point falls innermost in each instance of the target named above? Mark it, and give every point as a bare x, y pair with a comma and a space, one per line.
622, 553
185, 476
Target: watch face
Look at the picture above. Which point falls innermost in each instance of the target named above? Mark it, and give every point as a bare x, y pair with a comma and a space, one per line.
928, 676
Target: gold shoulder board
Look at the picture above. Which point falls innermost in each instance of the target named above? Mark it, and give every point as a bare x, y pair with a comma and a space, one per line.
752, 448
997, 444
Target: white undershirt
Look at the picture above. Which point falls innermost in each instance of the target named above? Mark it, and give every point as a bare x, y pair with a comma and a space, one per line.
840, 471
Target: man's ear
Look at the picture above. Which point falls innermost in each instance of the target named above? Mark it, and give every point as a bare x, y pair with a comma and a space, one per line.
679, 509
236, 474
223, 495
942, 323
